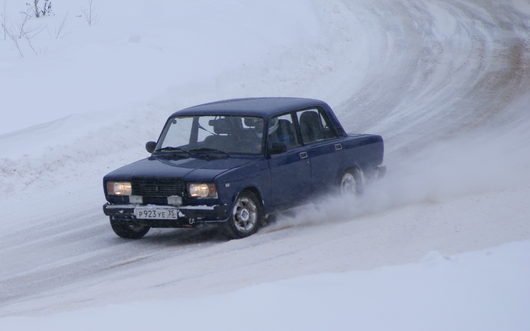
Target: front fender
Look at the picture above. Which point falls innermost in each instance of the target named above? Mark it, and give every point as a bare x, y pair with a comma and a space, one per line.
255, 176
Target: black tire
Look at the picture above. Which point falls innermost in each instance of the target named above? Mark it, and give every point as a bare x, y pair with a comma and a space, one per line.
246, 216
352, 182
129, 231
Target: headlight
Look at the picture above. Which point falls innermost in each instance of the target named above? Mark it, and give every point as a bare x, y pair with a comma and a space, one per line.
202, 190
119, 188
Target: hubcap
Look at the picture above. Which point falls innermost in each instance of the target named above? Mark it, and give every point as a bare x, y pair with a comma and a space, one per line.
245, 214
348, 184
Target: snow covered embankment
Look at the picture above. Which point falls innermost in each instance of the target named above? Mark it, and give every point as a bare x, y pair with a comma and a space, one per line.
95, 94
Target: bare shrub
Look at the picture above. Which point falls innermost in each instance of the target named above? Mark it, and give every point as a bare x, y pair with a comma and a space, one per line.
21, 32
59, 30
13, 38
3, 19
22, 25
41, 8
89, 13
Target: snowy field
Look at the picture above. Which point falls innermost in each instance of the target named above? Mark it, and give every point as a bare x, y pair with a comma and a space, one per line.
442, 243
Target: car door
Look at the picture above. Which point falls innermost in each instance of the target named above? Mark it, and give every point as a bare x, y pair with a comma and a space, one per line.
290, 170
323, 148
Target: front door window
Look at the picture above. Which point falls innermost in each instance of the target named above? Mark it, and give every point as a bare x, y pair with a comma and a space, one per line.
282, 130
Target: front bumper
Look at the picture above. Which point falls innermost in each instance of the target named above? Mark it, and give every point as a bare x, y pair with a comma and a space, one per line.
188, 216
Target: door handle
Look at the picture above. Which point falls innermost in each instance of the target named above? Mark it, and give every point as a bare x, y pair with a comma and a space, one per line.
303, 155
338, 147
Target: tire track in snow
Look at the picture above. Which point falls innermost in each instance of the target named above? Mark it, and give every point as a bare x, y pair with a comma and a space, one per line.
444, 68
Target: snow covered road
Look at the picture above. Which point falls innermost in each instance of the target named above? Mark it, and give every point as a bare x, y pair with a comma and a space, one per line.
446, 83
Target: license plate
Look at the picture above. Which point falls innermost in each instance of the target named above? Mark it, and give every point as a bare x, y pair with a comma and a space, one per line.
153, 213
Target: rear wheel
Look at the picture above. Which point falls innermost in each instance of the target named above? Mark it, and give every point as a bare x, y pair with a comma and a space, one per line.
352, 182
129, 231
246, 216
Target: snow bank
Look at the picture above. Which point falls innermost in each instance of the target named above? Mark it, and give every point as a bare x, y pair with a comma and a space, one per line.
136, 51
100, 92
484, 290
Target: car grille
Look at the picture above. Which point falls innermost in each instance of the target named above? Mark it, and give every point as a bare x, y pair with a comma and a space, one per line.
158, 187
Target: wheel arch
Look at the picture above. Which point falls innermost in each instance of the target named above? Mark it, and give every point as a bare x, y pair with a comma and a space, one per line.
254, 190
249, 188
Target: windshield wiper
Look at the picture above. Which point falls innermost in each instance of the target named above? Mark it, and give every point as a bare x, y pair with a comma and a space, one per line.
172, 149
208, 150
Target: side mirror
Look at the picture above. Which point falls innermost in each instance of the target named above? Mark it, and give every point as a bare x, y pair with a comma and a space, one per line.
150, 146
277, 148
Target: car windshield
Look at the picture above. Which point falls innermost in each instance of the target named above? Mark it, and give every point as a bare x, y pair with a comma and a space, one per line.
212, 134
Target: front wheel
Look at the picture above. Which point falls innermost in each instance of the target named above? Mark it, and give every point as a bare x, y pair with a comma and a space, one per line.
246, 216
352, 182
129, 231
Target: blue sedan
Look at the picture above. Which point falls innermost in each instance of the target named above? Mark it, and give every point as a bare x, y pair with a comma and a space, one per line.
234, 163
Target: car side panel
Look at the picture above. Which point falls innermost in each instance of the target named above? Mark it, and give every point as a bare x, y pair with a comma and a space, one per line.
290, 177
364, 151
325, 163
253, 175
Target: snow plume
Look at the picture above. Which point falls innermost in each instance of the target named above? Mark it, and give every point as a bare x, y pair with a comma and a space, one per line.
454, 114
459, 168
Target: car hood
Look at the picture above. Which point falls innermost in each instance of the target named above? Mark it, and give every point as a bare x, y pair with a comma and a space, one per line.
188, 168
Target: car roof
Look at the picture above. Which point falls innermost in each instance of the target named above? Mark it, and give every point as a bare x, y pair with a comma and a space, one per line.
262, 107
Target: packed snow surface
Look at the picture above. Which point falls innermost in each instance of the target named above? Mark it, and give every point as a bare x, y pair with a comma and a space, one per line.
438, 293
445, 236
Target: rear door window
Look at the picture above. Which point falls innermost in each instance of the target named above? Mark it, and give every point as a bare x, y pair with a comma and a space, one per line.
314, 126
